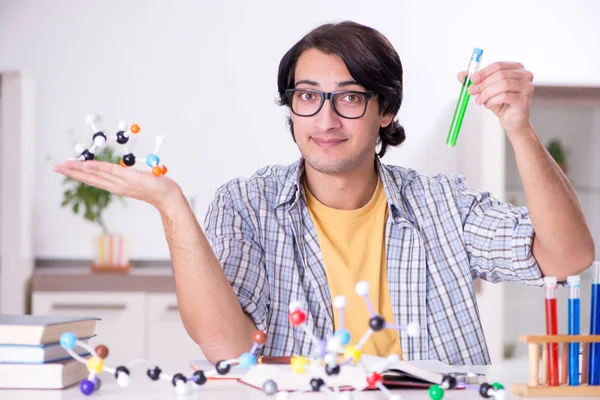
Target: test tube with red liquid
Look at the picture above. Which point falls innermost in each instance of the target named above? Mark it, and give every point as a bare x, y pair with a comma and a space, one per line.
550, 287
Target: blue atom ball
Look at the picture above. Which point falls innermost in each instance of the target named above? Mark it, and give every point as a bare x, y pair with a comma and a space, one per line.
343, 336
68, 340
152, 160
247, 360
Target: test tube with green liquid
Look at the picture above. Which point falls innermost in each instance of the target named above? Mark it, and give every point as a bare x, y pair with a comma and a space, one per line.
463, 98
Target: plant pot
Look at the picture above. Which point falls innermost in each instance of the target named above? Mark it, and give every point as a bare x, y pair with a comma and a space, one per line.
111, 253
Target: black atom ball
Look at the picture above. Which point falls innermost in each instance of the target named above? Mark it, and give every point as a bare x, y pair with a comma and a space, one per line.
376, 323
223, 367
121, 138
332, 369
87, 155
129, 159
98, 134
121, 369
448, 382
154, 373
483, 390
178, 377
199, 378
316, 383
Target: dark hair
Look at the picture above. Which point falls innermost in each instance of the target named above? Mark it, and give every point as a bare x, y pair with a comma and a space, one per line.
370, 59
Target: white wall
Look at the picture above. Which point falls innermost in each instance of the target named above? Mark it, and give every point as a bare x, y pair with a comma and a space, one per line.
16, 187
175, 67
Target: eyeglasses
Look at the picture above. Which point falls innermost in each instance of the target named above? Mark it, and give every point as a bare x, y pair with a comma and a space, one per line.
349, 104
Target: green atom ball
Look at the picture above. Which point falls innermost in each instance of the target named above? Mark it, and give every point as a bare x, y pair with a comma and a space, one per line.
436, 392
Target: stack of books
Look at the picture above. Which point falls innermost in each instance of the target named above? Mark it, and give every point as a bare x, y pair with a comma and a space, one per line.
31, 356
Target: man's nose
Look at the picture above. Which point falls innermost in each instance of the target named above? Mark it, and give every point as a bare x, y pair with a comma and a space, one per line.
326, 119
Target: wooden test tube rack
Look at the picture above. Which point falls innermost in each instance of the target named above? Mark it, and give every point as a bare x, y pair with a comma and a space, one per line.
538, 376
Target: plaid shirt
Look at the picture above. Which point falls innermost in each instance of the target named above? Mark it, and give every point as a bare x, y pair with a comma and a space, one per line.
440, 236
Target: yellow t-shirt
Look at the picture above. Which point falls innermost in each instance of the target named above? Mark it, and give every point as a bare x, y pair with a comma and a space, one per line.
352, 243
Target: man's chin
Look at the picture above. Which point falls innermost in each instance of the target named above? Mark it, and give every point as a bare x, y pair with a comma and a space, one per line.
330, 166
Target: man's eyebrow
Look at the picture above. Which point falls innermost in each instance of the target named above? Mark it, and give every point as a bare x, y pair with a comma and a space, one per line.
348, 83
307, 82
316, 84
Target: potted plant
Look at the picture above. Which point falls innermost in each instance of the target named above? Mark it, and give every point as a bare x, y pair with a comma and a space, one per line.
111, 250
556, 150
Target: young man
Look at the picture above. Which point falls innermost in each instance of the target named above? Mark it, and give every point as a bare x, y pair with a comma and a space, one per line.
310, 231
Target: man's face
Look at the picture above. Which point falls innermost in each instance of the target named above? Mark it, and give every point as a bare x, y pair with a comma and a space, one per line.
328, 142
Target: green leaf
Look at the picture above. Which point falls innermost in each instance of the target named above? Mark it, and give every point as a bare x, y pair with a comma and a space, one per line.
95, 200
90, 215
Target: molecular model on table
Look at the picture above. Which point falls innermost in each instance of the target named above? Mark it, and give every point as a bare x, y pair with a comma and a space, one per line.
335, 352
95, 365
122, 137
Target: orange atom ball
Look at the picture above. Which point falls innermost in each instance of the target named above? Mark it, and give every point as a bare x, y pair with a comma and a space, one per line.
122, 164
259, 337
135, 128
156, 171
102, 351
163, 169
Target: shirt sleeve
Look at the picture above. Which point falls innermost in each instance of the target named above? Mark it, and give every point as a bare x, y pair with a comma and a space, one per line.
498, 236
234, 242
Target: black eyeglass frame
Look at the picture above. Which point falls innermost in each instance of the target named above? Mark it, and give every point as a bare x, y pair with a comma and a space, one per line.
329, 96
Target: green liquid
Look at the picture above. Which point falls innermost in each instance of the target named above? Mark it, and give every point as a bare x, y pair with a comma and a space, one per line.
459, 114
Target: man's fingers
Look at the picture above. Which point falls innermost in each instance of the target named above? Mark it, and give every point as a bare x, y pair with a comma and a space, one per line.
503, 98
113, 172
483, 73
501, 86
94, 165
99, 180
505, 75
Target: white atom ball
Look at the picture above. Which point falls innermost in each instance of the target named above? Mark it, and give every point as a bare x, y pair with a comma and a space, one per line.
181, 388
99, 141
392, 358
333, 345
362, 288
330, 358
283, 395
500, 395
295, 305
90, 119
413, 329
340, 302
123, 379
79, 148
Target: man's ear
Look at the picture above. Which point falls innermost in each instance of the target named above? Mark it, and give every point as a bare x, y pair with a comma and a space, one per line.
386, 120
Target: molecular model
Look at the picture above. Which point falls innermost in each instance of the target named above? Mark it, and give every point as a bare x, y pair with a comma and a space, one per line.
333, 353
95, 365
99, 139
336, 352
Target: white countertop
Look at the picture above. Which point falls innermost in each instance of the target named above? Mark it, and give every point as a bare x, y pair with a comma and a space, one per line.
143, 388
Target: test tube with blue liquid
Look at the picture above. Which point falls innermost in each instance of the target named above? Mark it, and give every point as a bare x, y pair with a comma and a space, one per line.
463, 98
594, 361
574, 307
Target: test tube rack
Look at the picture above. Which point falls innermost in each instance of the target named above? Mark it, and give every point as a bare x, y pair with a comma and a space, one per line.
538, 375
